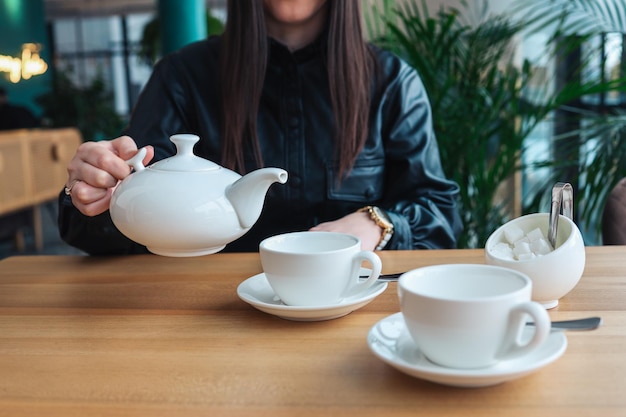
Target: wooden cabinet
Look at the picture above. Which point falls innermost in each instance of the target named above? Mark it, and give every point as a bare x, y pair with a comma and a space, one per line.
49, 152
14, 184
33, 168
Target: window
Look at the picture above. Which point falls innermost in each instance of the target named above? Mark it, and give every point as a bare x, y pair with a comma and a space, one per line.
86, 49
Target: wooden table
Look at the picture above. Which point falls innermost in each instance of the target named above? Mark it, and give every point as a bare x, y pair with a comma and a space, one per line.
156, 336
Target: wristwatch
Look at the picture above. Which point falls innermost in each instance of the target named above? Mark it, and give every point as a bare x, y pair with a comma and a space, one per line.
382, 220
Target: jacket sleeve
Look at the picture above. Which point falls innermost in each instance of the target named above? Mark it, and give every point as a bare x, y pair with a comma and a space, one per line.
420, 200
95, 235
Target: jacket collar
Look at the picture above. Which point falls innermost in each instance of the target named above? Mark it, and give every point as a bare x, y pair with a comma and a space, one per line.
279, 53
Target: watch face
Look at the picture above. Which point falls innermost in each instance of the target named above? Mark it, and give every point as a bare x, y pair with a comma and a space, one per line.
383, 216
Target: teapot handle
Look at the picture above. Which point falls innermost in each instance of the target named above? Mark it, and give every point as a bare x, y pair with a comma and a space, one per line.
137, 161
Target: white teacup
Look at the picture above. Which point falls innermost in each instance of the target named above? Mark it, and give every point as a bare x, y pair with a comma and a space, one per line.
470, 316
316, 268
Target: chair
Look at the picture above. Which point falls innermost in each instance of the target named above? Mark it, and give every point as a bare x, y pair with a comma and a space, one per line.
614, 216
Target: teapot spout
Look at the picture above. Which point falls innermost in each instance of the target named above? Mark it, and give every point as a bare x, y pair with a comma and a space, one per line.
247, 194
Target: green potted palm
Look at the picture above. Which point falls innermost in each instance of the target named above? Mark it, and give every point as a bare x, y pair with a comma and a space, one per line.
483, 111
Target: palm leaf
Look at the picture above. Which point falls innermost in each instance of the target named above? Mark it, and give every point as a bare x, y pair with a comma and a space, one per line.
600, 143
578, 17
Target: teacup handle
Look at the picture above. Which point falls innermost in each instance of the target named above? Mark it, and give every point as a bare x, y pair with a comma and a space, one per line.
357, 286
512, 348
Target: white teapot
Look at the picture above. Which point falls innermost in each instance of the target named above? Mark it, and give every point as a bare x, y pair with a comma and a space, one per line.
186, 205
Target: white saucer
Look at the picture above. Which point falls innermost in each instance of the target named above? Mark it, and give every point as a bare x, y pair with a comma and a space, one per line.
391, 342
257, 292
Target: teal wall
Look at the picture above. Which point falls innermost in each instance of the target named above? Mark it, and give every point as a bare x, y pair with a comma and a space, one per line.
24, 21
181, 22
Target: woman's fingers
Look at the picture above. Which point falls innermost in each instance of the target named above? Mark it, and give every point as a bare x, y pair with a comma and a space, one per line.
96, 169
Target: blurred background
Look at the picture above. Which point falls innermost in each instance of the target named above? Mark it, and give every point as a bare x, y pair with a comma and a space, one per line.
71, 70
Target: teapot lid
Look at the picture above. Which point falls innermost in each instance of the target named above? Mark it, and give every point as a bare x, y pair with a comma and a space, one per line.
185, 160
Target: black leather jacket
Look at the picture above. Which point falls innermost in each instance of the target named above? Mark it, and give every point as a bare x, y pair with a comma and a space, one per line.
399, 169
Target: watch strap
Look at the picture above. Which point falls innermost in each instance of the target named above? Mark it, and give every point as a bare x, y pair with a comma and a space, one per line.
382, 220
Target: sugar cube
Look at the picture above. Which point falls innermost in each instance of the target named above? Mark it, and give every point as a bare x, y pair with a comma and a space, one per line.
518, 245
525, 256
503, 250
521, 248
513, 234
535, 234
540, 246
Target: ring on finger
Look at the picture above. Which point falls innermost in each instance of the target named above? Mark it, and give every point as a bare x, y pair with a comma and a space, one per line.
68, 188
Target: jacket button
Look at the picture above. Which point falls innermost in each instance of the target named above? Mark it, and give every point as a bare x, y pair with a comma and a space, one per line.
294, 181
369, 192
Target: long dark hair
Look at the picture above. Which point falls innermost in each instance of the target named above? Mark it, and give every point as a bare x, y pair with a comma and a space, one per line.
243, 65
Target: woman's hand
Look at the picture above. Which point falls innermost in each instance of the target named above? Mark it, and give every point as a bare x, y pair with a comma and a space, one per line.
96, 169
358, 224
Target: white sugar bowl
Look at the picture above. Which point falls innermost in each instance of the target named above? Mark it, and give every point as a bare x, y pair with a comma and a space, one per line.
553, 271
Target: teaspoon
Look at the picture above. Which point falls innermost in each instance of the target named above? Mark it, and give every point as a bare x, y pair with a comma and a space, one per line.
589, 323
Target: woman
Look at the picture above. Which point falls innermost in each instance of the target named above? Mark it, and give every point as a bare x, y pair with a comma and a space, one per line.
291, 84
